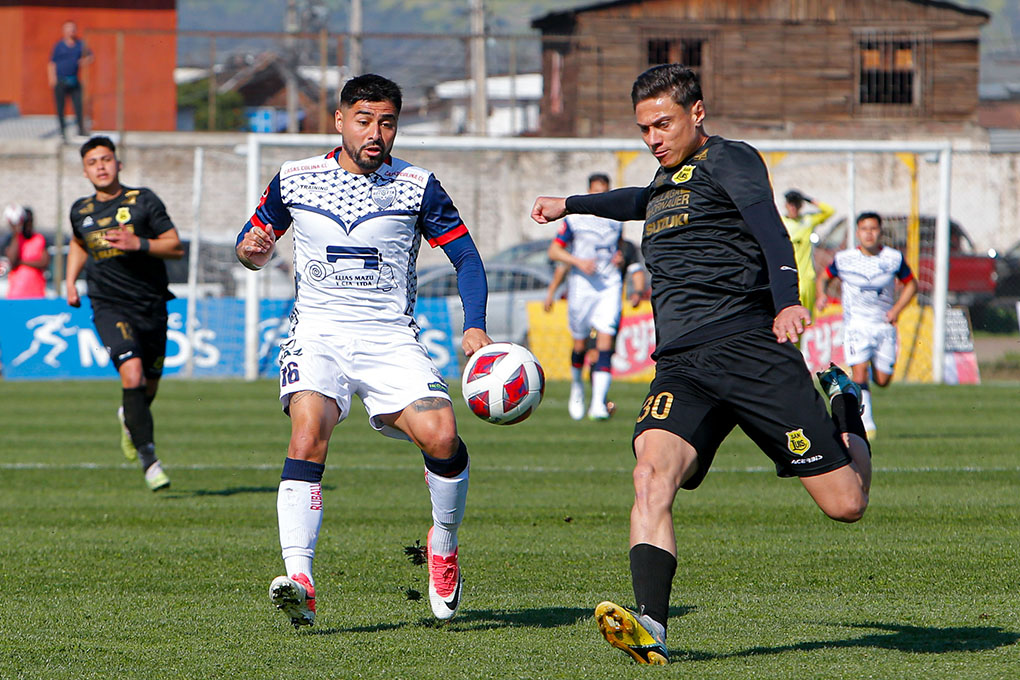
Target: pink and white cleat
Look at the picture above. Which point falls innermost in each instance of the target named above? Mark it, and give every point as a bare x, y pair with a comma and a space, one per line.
445, 582
295, 597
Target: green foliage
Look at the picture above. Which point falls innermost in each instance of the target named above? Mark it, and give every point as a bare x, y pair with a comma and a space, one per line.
101, 578
229, 106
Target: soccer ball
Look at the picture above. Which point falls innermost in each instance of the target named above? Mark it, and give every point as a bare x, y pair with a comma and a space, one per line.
503, 383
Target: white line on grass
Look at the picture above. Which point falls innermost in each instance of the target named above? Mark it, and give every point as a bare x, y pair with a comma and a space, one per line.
502, 468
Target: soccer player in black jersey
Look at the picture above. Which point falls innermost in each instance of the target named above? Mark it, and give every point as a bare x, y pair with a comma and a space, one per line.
727, 317
121, 237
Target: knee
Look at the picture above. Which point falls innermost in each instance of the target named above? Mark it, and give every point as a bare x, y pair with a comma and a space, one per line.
307, 446
882, 380
439, 441
652, 489
847, 510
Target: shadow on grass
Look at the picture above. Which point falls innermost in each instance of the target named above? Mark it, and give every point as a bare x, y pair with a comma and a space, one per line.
229, 491
915, 639
492, 619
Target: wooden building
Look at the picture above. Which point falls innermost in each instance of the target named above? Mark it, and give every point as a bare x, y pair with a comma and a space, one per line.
769, 68
136, 69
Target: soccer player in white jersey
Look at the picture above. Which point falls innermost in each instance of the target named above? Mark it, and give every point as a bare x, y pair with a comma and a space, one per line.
870, 306
587, 245
358, 217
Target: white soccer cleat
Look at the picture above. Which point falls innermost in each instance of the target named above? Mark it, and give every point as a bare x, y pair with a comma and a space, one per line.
599, 412
446, 583
155, 478
295, 597
575, 405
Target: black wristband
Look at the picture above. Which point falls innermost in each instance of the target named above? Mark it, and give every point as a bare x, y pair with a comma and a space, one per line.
143, 244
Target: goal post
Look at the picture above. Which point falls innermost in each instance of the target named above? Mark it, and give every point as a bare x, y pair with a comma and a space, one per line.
939, 151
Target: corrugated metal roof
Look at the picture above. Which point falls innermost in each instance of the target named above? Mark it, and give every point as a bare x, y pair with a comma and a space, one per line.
1001, 140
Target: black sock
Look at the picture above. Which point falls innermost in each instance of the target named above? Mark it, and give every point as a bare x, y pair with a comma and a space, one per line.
651, 571
147, 455
846, 413
137, 416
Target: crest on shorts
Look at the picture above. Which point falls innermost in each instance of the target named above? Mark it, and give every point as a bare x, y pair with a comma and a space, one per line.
123, 215
383, 195
683, 174
797, 442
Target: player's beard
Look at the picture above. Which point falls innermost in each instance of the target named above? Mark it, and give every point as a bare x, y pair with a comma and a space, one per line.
366, 163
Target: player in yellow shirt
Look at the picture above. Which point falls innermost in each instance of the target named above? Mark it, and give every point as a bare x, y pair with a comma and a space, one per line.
800, 226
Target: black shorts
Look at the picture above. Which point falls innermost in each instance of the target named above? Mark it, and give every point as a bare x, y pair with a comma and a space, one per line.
129, 333
750, 380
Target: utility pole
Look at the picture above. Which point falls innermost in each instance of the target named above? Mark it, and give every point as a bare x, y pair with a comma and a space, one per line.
354, 63
479, 100
290, 67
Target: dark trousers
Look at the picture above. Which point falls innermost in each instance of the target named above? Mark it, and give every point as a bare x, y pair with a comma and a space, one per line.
61, 91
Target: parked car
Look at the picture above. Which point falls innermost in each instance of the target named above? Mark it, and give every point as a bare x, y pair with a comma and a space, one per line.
530, 253
1008, 269
511, 287
972, 275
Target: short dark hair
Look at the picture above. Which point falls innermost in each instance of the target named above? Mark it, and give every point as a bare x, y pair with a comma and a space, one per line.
679, 81
599, 177
370, 87
97, 141
795, 197
870, 216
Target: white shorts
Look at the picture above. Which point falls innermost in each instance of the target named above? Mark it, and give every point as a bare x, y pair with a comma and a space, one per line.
599, 310
388, 373
871, 342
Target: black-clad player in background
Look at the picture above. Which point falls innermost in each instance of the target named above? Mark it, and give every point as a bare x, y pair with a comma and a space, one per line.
727, 317
121, 237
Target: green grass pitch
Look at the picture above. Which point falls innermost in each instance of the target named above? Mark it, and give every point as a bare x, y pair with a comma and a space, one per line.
100, 578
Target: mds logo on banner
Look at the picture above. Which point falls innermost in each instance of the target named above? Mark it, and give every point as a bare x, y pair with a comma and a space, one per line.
48, 340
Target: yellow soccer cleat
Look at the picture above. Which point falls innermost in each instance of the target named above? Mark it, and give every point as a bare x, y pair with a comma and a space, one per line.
126, 445
639, 635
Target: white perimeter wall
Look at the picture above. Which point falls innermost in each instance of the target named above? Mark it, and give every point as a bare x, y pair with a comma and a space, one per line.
494, 190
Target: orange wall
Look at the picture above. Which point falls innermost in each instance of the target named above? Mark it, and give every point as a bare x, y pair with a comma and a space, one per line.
150, 96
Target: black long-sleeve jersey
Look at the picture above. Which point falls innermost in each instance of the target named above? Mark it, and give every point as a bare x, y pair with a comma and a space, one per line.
136, 279
718, 254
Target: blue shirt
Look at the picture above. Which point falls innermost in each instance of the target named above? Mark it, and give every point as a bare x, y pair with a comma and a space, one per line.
67, 57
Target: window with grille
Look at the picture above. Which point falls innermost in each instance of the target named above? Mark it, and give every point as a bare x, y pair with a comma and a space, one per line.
892, 71
686, 51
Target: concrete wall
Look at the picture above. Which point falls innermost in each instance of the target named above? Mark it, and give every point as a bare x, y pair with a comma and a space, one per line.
494, 191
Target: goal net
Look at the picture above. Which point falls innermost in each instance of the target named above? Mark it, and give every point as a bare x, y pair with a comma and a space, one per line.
494, 181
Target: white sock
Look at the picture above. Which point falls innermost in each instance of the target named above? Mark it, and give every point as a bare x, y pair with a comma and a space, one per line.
299, 512
449, 495
866, 416
600, 381
577, 376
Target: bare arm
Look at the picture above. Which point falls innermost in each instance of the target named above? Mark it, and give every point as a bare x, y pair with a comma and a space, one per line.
821, 283
51, 73
638, 285
557, 253
76, 258
554, 285
906, 295
166, 246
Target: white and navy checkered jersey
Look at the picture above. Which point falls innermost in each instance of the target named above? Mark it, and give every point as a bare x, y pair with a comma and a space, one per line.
869, 282
592, 238
356, 237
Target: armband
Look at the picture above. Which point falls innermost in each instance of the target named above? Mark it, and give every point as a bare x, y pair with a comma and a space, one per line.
143, 244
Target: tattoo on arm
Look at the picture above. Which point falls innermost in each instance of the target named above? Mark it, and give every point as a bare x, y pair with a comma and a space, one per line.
430, 404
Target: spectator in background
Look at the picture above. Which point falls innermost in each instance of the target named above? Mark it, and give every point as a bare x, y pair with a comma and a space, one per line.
68, 55
800, 225
26, 251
